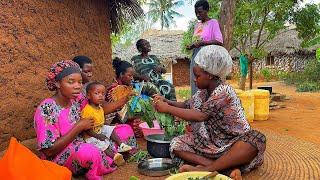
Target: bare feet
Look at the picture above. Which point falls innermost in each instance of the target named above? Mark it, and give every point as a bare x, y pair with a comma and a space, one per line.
236, 174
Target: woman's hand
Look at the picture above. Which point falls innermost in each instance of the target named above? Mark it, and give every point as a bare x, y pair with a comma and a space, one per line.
162, 106
158, 97
85, 124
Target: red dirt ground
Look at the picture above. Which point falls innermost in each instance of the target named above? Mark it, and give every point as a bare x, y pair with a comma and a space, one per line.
298, 119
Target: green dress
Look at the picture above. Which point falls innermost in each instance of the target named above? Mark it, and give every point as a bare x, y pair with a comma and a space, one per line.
146, 66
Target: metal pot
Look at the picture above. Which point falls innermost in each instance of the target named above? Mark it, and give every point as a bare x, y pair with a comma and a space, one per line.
157, 146
155, 167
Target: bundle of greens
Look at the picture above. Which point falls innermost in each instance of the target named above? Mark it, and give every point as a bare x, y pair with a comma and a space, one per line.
139, 157
141, 106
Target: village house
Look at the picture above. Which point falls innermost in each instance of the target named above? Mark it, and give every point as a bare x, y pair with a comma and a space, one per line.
284, 52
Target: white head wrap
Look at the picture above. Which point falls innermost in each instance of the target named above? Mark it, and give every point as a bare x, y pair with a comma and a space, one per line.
214, 60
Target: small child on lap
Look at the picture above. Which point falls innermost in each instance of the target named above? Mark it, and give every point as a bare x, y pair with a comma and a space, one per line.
102, 134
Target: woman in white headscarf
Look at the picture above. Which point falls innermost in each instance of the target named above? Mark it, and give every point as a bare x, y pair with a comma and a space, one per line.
221, 139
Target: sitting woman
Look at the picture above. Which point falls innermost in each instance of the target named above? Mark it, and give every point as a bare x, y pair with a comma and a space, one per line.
86, 66
148, 67
118, 94
221, 138
58, 125
124, 131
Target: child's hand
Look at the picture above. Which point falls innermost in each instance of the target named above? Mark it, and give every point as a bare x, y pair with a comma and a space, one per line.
101, 137
85, 123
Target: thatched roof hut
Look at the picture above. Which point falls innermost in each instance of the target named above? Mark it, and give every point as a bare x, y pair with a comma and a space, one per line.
285, 43
164, 44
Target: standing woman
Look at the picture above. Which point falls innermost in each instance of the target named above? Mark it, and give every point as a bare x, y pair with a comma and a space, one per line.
148, 67
206, 31
58, 125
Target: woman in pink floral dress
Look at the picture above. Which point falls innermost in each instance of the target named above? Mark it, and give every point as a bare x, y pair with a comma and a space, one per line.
221, 138
58, 125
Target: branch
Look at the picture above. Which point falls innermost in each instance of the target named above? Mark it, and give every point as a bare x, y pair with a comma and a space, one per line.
262, 25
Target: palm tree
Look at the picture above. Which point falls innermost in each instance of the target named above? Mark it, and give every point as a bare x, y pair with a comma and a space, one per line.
164, 10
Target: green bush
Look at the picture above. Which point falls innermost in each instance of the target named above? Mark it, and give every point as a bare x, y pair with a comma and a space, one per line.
312, 71
308, 87
266, 73
307, 80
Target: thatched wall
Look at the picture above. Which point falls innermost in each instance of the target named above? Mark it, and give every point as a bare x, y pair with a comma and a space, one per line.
33, 35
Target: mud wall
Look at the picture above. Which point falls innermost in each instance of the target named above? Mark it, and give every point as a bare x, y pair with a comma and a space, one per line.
33, 35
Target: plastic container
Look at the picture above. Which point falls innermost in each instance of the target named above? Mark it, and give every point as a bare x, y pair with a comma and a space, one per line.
148, 131
238, 91
247, 102
261, 104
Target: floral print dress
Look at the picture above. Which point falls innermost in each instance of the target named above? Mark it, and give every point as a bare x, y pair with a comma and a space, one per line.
226, 125
51, 122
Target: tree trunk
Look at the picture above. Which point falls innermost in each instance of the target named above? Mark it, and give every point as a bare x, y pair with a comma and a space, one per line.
251, 70
227, 12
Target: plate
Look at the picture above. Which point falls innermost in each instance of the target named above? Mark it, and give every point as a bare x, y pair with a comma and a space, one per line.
195, 174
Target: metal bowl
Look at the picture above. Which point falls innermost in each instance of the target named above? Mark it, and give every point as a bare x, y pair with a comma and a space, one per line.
155, 167
157, 146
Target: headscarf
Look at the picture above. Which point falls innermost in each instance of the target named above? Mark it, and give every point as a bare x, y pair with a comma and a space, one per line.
214, 60
60, 70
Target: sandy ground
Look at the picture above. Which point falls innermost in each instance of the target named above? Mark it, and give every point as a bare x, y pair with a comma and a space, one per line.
299, 119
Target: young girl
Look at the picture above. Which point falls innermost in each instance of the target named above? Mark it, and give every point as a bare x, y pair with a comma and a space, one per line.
101, 134
221, 137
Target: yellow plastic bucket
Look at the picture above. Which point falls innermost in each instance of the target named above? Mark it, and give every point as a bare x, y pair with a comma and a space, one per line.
247, 102
238, 91
261, 104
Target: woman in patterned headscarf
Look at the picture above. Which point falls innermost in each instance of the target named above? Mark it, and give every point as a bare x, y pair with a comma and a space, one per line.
58, 125
221, 138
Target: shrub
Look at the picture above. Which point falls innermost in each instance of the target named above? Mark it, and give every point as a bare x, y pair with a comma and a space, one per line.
266, 73
308, 80
308, 87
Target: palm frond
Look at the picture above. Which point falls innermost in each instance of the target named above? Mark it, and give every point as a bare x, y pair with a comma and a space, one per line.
123, 11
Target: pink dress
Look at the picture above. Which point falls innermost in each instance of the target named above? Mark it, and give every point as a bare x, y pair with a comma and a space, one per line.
51, 122
208, 31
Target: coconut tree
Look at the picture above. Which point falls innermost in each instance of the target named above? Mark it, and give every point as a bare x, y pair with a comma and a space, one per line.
164, 11
122, 12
